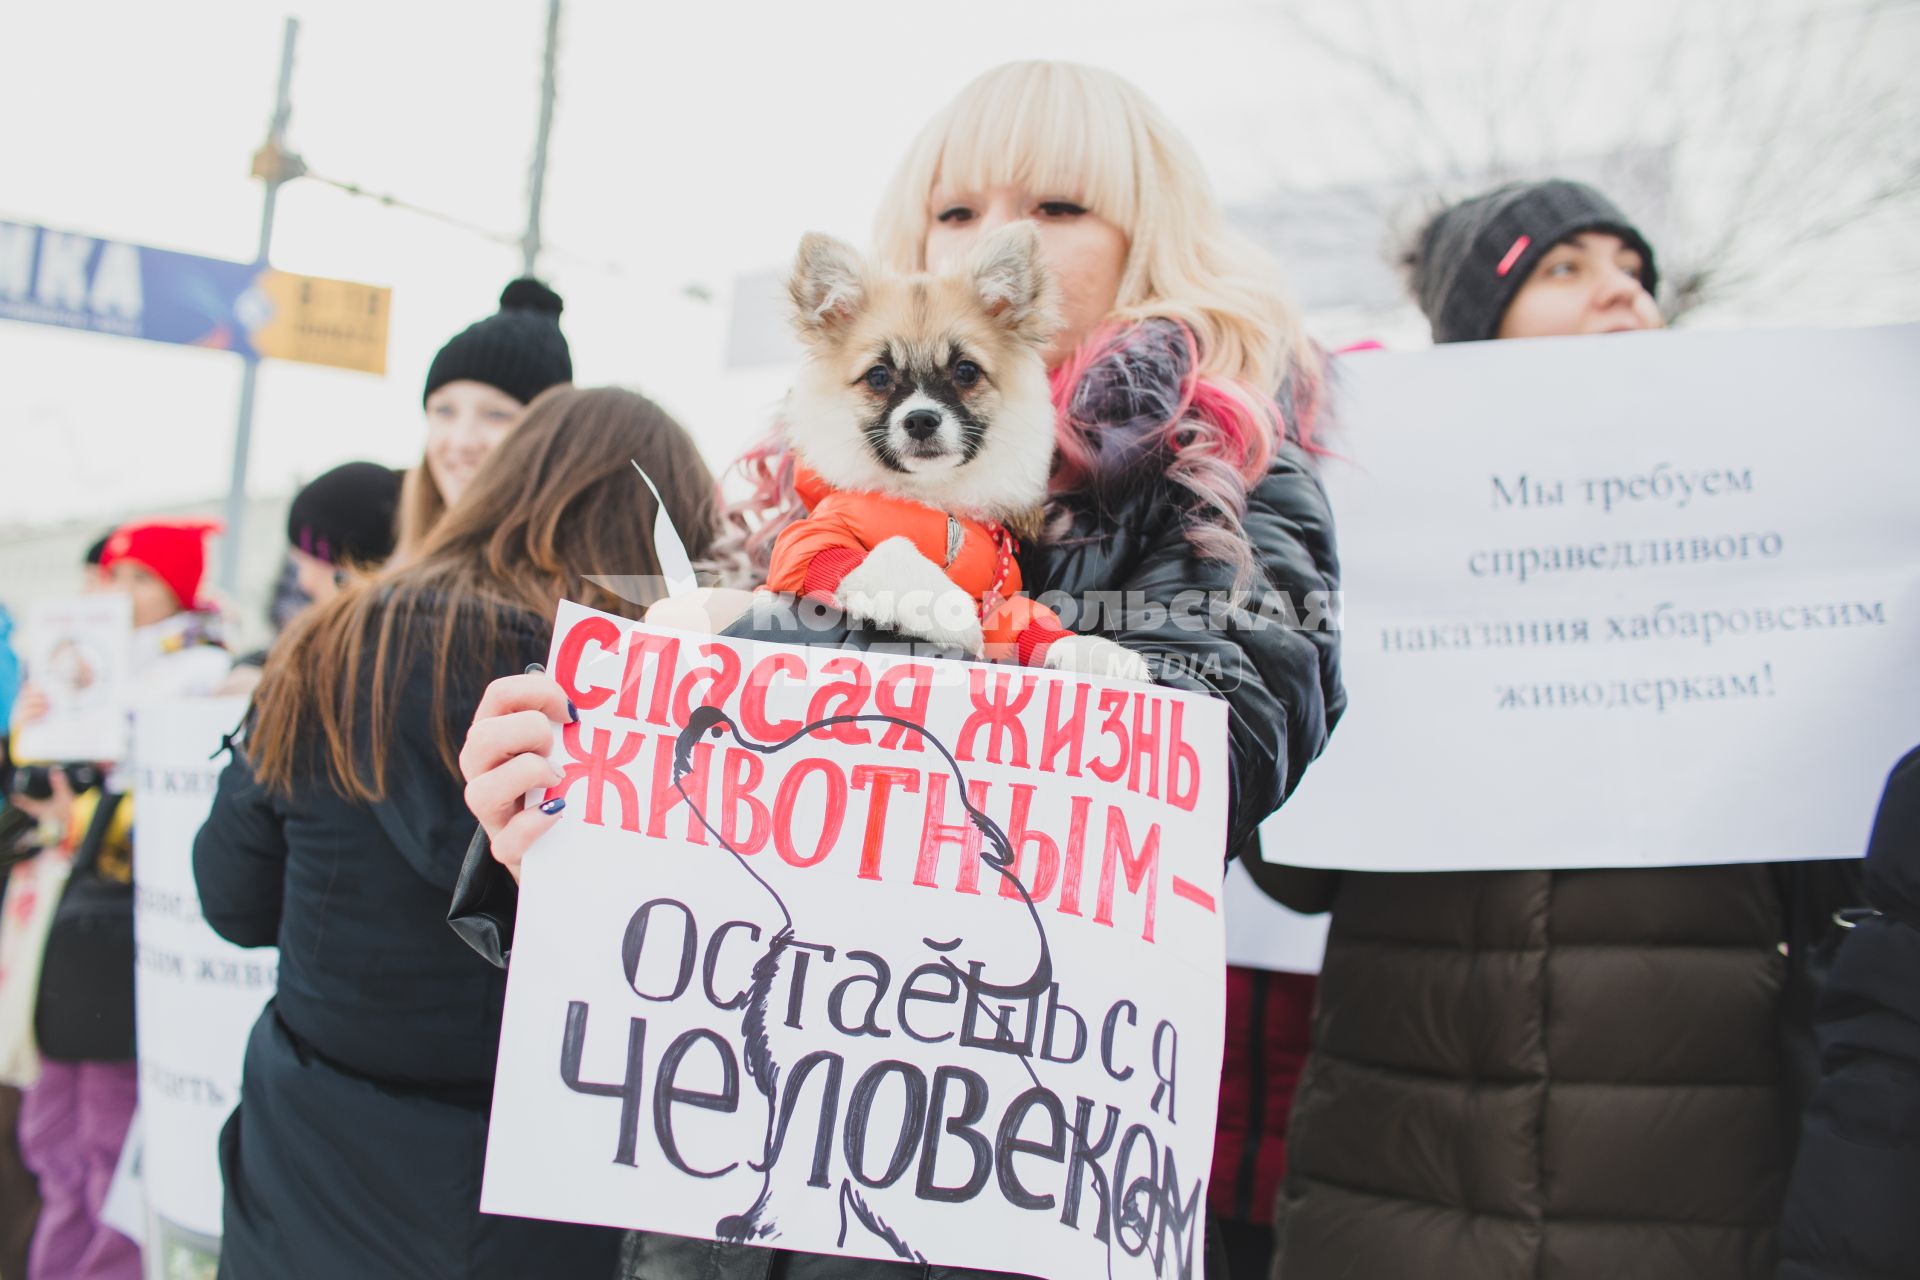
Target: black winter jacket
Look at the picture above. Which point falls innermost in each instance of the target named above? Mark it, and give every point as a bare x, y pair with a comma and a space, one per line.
1541, 1075
355, 898
356, 1148
1850, 1205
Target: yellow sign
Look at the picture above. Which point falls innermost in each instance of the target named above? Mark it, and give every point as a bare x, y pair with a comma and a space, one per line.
319, 321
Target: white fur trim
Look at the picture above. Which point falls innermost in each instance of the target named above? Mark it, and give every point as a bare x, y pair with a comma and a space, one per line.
1096, 656
898, 588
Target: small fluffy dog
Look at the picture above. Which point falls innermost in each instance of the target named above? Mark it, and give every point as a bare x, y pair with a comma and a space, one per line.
923, 429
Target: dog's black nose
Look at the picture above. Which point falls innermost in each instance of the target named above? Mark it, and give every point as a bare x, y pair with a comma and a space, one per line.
921, 423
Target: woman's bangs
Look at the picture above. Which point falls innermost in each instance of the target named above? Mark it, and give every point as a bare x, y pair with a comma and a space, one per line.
1049, 133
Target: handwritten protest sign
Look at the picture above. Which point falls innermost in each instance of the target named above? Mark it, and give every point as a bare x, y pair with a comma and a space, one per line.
196, 994
868, 955
77, 653
1635, 600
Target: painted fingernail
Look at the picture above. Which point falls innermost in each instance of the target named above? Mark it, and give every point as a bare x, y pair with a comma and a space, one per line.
554, 805
573, 713
534, 669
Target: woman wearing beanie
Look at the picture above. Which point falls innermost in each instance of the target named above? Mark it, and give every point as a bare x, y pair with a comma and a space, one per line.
1184, 391
339, 525
176, 634
478, 386
338, 830
1539, 1075
342, 524
74, 1119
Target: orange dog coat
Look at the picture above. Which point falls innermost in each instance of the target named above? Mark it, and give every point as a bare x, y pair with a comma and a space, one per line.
812, 555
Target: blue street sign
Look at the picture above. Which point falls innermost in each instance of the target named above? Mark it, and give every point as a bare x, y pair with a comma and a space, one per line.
109, 286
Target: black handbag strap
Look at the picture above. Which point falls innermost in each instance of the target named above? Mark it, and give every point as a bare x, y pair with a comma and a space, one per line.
88, 854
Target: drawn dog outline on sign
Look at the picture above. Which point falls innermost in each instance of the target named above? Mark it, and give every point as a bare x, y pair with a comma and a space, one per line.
997, 852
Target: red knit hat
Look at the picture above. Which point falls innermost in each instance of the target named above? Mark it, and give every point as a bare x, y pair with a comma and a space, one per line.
175, 551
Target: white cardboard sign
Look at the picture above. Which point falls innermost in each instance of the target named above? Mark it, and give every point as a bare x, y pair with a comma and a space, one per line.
868, 955
78, 651
1637, 600
197, 995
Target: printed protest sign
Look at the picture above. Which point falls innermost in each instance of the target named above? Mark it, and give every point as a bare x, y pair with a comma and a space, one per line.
196, 994
1635, 600
867, 955
77, 653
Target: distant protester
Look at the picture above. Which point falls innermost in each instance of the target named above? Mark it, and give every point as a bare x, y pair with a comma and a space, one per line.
338, 525
478, 387
342, 523
74, 1120
1547, 1074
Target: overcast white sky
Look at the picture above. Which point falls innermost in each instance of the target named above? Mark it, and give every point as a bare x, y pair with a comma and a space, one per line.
692, 143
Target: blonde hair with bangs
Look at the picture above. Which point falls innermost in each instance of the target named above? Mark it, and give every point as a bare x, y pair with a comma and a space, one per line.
1072, 132
1079, 132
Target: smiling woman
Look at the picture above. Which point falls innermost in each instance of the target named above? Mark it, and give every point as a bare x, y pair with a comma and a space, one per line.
477, 388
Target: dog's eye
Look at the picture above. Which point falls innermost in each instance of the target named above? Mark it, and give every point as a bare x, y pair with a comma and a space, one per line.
965, 373
879, 377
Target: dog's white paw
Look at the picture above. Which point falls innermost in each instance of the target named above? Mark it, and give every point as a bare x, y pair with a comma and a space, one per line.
949, 617
898, 588
1096, 656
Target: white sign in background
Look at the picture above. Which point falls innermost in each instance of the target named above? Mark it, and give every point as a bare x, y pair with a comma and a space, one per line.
676, 1011
197, 995
1262, 934
1644, 599
78, 652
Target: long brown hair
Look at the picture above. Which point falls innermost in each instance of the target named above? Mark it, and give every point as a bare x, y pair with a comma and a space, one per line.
558, 499
421, 506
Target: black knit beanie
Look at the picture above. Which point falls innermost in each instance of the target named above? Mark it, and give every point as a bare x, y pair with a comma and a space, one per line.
347, 515
519, 349
1474, 256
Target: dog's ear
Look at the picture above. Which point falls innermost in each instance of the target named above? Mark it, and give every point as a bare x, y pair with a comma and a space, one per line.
1013, 284
828, 285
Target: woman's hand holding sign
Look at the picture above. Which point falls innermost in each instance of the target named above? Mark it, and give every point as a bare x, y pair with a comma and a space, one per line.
30, 704
505, 756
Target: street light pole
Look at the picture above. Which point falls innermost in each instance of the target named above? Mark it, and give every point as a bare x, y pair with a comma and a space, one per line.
273, 165
537, 181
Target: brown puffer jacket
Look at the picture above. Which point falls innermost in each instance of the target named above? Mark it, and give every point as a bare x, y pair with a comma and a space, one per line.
1542, 1075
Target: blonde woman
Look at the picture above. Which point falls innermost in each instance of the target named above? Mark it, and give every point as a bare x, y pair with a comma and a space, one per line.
1184, 392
